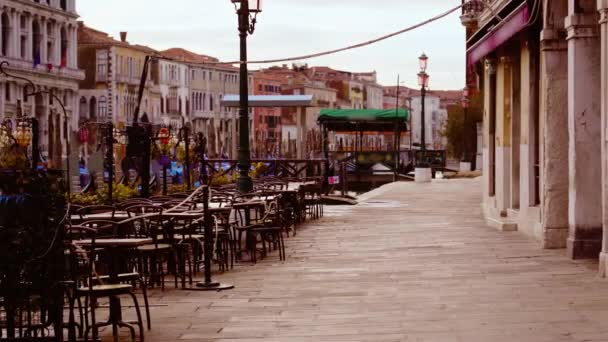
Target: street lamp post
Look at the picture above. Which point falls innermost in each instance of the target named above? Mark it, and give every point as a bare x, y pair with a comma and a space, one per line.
465, 163
423, 172
247, 13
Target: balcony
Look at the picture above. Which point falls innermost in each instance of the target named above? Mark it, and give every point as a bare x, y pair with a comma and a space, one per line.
471, 10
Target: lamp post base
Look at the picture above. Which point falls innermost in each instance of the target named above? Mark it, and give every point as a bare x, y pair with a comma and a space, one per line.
244, 184
202, 286
423, 175
465, 166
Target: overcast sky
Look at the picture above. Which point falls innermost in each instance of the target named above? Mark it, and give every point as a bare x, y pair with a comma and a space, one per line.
297, 27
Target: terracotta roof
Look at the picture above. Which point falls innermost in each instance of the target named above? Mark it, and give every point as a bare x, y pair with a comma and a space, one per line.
187, 56
90, 36
453, 95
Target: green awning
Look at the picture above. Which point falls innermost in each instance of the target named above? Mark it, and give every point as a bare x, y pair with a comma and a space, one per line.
379, 120
363, 115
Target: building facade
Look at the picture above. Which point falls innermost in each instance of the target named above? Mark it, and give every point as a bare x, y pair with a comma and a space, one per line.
39, 41
267, 121
109, 92
435, 119
207, 82
306, 118
542, 71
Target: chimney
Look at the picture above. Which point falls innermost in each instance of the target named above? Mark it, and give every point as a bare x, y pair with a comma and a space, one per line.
123, 37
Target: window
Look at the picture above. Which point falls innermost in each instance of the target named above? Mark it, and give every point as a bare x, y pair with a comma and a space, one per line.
64, 48
63, 4
23, 37
102, 107
102, 65
162, 104
6, 34
82, 108
93, 109
193, 75
211, 102
36, 41
7, 92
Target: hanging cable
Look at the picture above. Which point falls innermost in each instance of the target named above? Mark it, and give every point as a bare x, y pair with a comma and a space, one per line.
351, 47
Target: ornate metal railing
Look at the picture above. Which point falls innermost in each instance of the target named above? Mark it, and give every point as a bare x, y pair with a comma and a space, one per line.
32, 273
289, 168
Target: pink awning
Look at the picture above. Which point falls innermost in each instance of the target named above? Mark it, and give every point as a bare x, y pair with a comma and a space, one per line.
510, 26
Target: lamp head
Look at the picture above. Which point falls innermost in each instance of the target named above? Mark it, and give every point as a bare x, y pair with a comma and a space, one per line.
423, 60
255, 6
423, 79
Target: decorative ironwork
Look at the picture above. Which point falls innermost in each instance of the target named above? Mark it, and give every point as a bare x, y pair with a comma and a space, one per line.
471, 9
32, 211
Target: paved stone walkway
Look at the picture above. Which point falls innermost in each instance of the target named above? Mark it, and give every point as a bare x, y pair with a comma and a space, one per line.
414, 262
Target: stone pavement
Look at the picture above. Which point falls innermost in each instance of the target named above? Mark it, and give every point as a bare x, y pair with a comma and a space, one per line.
414, 262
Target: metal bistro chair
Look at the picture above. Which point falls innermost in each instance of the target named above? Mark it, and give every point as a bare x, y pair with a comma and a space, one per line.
270, 229
90, 285
149, 222
96, 209
128, 274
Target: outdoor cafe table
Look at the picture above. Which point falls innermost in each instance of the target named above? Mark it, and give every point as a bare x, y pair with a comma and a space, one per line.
115, 247
123, 215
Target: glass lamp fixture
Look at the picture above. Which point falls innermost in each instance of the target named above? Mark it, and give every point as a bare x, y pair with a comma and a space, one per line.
23, 134
255, 6
423, 79
423, 60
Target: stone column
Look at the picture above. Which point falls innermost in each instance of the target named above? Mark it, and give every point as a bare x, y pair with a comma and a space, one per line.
553, 123
301, 131
584, 121
602, 6
488, 149
503, 135
43, 41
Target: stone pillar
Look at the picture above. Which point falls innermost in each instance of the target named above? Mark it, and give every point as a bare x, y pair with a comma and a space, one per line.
301, 131
488, 149
584, 121
503, 135
554, 127
602, 6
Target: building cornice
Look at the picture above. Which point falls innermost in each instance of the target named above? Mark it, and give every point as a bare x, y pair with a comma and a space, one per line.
30, 4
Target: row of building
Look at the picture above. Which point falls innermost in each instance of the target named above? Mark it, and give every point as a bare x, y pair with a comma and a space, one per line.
540, 68
97, 77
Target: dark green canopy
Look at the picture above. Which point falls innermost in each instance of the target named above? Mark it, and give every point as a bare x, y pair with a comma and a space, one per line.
379, 120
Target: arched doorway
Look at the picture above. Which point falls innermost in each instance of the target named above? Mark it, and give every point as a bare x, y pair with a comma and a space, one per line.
93, 109
83, 110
